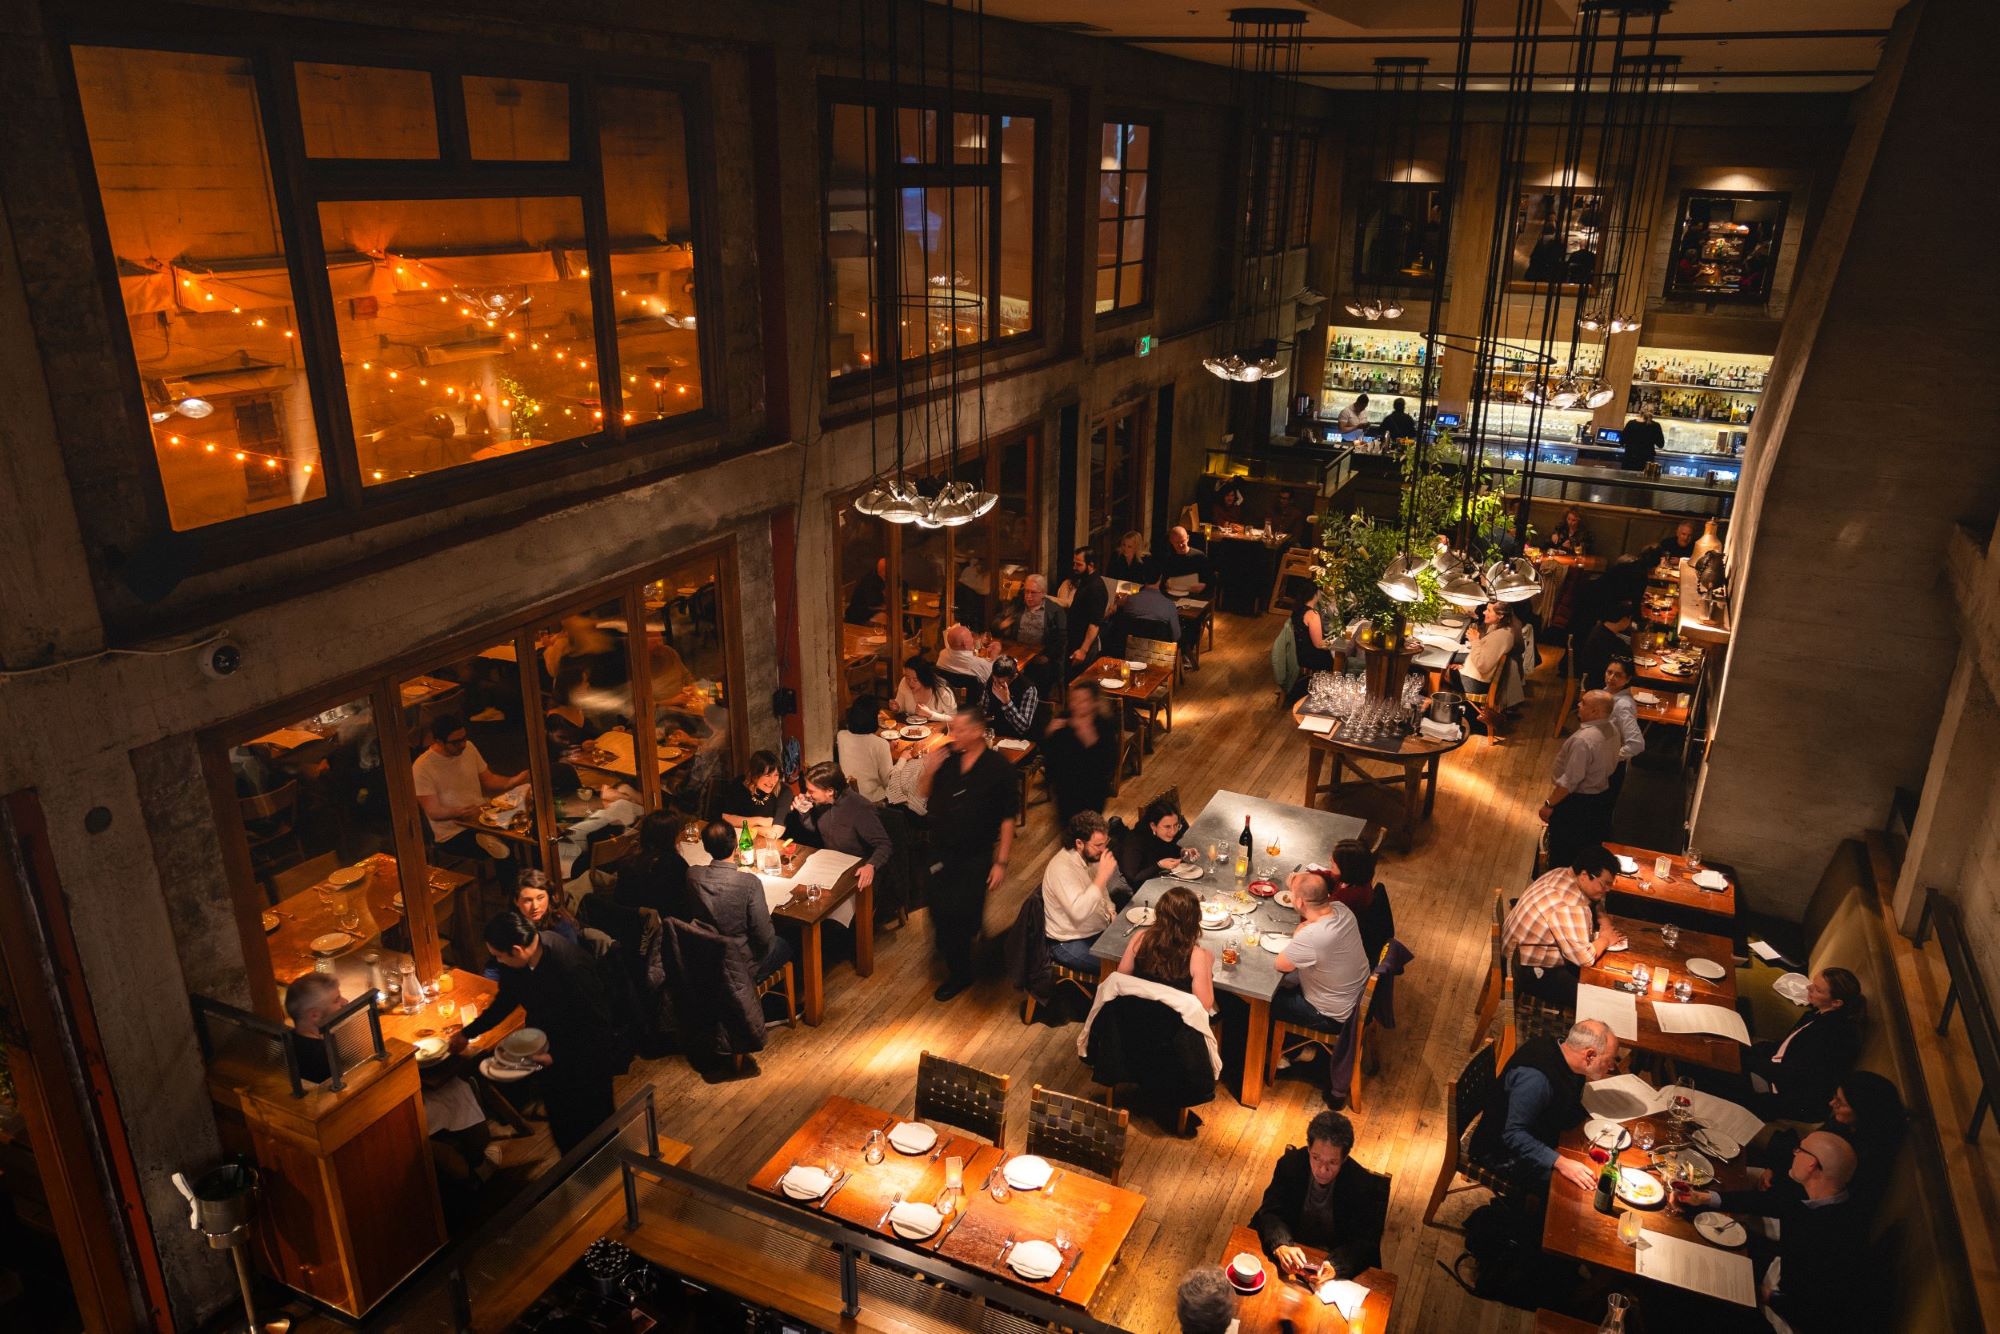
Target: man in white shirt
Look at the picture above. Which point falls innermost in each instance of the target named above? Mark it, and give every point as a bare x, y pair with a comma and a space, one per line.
1578, 808
1353, 419
1618, 674
1324, 956
452, 782
961, 654
1076, 895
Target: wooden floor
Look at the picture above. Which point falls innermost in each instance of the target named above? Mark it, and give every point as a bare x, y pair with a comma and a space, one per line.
1230, 733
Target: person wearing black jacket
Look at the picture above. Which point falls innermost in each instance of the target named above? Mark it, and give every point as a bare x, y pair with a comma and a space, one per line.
1154, 846
1537, 1097
1609, 638
1089, 604
1080, 753
1641, 441
1798, 1075
556, 983
1821, 1236
1320, 1197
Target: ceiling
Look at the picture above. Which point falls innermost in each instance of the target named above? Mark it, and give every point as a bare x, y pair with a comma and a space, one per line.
1738, 46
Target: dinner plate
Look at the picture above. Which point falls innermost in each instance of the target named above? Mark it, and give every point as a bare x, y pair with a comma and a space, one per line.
916, 733
1619, 948
1283, 898
333, 942
1643, 697
1035, 1260
1273, 944
1263, 889
1640, 1188
1027, 1172
1134, 665
1598, 1126
1186, 871
430, 1050
271, 922
1717, 1143
346, 876
1792, 986
1139, 915
914, 1222
805, 1183
1628, 865
890, 733
1709, 878
1707, 968
525, 1042
1720, 1229
501, 1072
1700, 1171
1108, 683
1215, 917
912, 1137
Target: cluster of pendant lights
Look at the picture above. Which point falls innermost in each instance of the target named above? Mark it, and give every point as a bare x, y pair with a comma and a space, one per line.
1373, 308
898, 501
1460, 580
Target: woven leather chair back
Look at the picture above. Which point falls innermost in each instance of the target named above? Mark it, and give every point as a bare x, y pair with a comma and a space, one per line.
1077, 1131
962, 1096
1469, 1092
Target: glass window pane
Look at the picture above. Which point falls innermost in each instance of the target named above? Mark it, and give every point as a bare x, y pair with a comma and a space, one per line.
1138, 147
584, 668
1131, 285
1134, 241
972, 551
1111, 152
1135, 194
1110, 190
1017, 225
366, 112
861, 545
1014, 525
692, 692
968, 138
1107, 243
517, 120
942, 275
648, 208
1107, 289
465, 328
916, 135
201, 270
850, 240
469, 763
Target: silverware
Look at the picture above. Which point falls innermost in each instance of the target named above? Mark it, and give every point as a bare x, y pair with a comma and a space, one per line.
956, 1219
942, 1144
1075, 1259
883, 1221
1050, 1189
1006, 1247
834, 1189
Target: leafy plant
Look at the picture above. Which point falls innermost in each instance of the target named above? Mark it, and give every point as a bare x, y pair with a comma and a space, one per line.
521, 409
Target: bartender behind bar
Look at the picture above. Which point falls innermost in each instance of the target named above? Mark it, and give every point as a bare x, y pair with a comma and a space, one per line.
1643, 439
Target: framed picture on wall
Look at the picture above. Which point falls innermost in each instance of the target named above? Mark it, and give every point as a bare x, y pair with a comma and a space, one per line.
1726, 245
1558, 236
1398, 234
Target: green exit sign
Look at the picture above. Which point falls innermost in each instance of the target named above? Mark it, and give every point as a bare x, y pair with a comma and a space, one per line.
1143, 347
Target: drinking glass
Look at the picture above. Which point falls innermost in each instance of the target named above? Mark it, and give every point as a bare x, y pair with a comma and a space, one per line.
1230, 956
1215, 852
1645, 1135
1242, 865
447, 1009
1683, 990
350, 920
1693, 859
1273, 848
1250, 938
1642, 976
871, 1152
1629, 1227
1669, 933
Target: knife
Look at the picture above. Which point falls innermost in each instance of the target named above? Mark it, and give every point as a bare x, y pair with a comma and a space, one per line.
1074, 1261
957, 1218
1050, 1189
845, 1177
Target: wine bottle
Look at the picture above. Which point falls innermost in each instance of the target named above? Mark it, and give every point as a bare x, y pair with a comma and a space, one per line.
1244, 837
1607, 1186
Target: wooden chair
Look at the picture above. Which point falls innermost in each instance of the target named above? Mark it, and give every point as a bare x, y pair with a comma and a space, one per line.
1464, 1099
1084, 982
1295, 563
1496, 971
962, 1096
786, 977
277, 811
283, 884
1326, 1039
1077, 1131
1156, 653
1535, 1018
605, 854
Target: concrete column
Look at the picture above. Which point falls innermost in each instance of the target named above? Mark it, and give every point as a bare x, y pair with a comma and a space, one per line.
1957, 789
1471, 250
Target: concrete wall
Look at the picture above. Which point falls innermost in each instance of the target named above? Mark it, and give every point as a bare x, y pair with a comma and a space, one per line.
1873, 442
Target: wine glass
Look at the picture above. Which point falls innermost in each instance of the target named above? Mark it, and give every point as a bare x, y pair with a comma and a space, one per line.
1669, 933
1645, 1135
1693, 859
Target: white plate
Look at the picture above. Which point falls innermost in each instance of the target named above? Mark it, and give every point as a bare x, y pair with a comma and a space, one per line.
1717, 1143
1627, 865
1720, 1229
333, 942
1647, 698
912, 1137
1104, 683
916, 733
805, 1183
1792, 986
1709, 878
890, 733
1702, 1171
1027, 1172
1187, 871
1035, 1260
271, 921
914, 1222
1597, 1126
1707, 968
347, 876
1283, 898
430, 1049
1273, 944
1134, 665
1640, 1188
504, 1074
525, 1042
1139, 915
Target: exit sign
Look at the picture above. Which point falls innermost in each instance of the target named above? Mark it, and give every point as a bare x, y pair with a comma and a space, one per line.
1143, 345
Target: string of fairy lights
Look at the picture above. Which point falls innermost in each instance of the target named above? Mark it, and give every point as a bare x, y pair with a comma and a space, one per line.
493, 308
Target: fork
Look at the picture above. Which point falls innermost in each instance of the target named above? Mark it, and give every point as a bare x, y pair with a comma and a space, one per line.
1050, 1189
883, 1221
1006, 1247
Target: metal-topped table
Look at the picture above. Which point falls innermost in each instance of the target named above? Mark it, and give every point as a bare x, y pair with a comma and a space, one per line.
1303, 836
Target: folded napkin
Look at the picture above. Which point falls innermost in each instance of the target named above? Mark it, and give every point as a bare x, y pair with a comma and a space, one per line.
1628, 865
1035, 1260
912, 1137
914, 1220
1437, 731
1012, 743
1345, 1294
806, 1183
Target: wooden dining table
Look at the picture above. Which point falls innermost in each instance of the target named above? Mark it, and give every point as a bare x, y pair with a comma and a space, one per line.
811, 917
939, 734
1413, 762
1678, 890
1647, 946
1269, 1310
1097, 1216
1573, 1227
304, 917
1143, 687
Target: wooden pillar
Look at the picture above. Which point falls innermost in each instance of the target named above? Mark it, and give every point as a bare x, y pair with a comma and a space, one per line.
1471, 247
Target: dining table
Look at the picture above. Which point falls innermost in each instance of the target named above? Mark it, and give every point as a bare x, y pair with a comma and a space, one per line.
1646, 945
1197, 618
1292, 1305
1142, 686
1677, 889
1095, 1216
842, 899
375, 903
1245, 562
1412, 761
1554, 1322
906, 742
1301, 836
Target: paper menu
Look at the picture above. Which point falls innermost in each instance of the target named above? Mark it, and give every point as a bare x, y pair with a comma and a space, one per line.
823, 867
1719, 1020
1312, 723
1696, 1267
1623, 1097
1731, 1119
1767, 953
1345, 1294
1617, 1010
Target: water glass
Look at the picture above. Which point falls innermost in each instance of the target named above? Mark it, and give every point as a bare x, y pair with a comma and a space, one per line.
1683, 990
1693, 859
1642, 976
447, 1009
871, 1152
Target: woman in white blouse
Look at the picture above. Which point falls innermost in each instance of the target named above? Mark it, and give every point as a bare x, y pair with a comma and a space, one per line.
864, 756
922, 693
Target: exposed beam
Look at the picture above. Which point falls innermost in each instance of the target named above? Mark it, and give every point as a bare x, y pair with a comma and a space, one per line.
1493, 39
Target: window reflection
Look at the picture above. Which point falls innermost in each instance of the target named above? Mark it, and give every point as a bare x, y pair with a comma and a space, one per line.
585, 670
357, 111
469, 767
647, 210
465, 329
516, 120
1123, 171
688, 660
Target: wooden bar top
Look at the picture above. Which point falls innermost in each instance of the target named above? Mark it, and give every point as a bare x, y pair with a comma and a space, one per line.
1269, 1310
1647, 947
1678, 892
1097, 1216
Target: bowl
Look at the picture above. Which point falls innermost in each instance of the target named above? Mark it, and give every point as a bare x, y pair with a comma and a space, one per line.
525, 1042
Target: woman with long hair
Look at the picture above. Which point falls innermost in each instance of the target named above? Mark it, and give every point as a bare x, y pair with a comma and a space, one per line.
923, 693
656, 877
1494, 641
1170, 951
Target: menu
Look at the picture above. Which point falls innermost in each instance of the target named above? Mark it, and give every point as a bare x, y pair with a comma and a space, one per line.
1717, 1019
1696, 1267
1617, 1010
1623, 1097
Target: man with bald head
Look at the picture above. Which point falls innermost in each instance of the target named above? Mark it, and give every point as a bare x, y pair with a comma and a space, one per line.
1537, 1097
1184, 565
1810, 1286
1578, 808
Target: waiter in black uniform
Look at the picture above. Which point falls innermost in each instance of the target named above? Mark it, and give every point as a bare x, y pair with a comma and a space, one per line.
971, 795
1642, 440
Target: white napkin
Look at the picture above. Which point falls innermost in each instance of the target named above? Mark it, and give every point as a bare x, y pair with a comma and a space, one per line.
1628, 865
915, 1221
806, 1183
1345, 1294
1035, 1260
912, 1137
1437, 731
1314, 723
1011, 743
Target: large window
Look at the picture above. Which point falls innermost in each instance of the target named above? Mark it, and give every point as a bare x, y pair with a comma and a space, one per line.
1117, 478
476, 267
1281, 197
1124, 239
930, 231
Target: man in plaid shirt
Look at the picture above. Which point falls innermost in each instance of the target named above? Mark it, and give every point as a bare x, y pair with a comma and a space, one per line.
1552, 932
